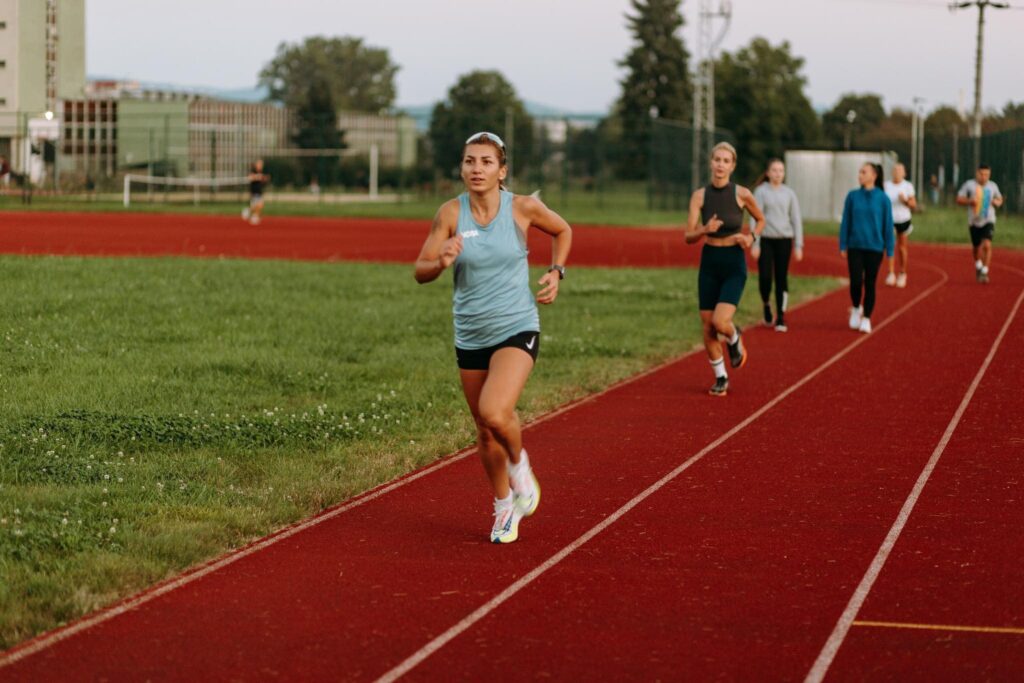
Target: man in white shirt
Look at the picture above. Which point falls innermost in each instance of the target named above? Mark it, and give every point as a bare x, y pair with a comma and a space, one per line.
901, 194
981, 196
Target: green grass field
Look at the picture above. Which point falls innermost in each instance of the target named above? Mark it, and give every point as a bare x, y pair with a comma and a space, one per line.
157, 412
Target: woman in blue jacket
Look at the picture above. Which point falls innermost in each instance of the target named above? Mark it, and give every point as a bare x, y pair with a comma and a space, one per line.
865, 233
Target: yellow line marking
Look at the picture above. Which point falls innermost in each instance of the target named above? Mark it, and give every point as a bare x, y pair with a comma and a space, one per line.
942, 627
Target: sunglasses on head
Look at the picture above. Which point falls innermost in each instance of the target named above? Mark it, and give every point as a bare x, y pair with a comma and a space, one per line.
483, 137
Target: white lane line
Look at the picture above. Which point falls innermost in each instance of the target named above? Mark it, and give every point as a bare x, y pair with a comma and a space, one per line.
440, 641
846, 619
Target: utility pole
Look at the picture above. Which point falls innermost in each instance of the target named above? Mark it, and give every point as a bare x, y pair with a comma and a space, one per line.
982, 5
704, 84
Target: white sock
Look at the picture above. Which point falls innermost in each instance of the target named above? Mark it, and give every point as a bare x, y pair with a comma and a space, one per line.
502, 503
524, 464
735, 335
978, 264
984, 269
719, 367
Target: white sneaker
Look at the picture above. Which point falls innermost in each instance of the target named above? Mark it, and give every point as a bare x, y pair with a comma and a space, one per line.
901, 280
525, 487
855, 318
865, 325
255, 220
890, 279
506, 522
245, 214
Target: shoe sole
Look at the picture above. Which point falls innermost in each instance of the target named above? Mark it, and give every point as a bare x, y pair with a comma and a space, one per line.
511, 537
718, 395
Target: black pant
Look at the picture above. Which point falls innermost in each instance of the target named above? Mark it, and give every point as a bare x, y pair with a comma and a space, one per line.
774, 260
864, 267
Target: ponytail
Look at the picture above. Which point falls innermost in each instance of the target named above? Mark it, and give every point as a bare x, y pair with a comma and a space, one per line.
879, 177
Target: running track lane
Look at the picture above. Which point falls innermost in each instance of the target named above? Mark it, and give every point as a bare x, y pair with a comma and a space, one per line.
263, 603
739, 568
322, 239
951, 598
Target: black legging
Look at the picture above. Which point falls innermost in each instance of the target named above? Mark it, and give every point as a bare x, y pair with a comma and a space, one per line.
864, 267
774, 259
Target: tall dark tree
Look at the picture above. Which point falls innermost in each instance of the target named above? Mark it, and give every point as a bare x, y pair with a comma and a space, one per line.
869, 113
479, 100
759, 96
358, 77
657, 82
316, 127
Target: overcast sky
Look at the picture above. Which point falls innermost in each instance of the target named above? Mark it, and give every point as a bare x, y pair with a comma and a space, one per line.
561, 53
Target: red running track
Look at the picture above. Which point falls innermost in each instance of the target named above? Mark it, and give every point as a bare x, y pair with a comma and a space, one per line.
322, 239
680, 537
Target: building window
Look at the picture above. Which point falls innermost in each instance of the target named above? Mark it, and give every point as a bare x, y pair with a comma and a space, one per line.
3, 101
3, 64
3, 24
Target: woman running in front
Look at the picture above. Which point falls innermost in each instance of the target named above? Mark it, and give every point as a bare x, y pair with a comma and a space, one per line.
716, 214
866, 231
482, 232
901, 195
783, 235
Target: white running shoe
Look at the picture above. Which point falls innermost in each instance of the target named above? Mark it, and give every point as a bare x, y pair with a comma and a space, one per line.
245, 214
865, 325
855, 318
890, 279
525, 487
255, 220
901, 280
506, 522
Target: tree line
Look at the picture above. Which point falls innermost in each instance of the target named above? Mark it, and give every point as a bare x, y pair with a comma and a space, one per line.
760, 99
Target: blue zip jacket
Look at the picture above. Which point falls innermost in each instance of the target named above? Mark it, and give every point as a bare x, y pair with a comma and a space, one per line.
867, 222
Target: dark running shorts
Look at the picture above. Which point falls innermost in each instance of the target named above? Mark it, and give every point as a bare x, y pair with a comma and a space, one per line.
723, 273
903, 227
480, 359
985, 232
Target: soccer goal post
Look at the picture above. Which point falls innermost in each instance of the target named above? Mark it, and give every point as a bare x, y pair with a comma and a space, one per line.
195, 186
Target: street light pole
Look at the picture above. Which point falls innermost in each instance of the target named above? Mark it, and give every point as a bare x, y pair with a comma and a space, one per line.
978, 54
851, 116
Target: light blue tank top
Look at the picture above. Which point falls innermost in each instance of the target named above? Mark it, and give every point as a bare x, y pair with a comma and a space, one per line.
492, 299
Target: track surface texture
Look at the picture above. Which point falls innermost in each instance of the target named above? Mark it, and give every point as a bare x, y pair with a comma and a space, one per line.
851, 511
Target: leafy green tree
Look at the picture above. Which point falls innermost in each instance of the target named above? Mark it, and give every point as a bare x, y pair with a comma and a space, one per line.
657, 82
479, 100
869, 113
759, 96
358, 77
316, 127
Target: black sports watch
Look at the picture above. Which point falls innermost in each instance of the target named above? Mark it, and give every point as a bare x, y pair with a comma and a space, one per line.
560, 269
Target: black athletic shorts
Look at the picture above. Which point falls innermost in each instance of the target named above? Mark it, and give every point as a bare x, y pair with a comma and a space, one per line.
985, 232
903, 227
723, 273
480, 359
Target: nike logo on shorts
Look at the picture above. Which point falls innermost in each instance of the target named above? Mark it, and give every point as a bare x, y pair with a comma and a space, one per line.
530, 344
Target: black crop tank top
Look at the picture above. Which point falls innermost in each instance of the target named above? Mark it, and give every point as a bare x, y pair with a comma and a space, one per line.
722, 202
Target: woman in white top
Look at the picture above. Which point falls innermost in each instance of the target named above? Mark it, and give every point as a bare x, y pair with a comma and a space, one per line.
901, 193
783, 235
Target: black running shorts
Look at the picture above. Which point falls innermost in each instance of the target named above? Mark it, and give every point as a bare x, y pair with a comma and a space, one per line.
480, 359
903, 227
985, 232
723, 273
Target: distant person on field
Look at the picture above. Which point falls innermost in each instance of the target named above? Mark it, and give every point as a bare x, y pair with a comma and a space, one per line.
5, 173
864, 235
482, 233
257, 181
716, 215
933, 189
900, 192
783, 236
981, 196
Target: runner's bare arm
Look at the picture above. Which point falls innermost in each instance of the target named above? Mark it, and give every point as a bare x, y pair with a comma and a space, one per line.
442, 245
694, 228
536, 214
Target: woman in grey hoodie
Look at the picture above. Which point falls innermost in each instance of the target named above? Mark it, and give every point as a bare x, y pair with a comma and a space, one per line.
783, 235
